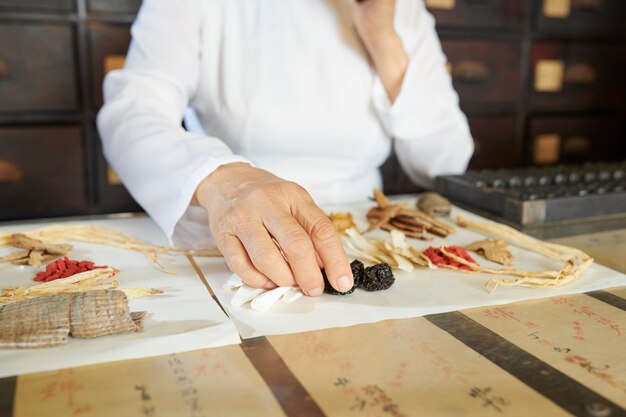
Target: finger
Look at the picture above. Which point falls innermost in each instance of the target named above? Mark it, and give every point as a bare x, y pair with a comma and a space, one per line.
265, 255
239, 262
327, 243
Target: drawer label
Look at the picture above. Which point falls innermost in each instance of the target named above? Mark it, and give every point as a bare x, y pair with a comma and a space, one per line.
549, 75
556, 9
441, 4
546, 149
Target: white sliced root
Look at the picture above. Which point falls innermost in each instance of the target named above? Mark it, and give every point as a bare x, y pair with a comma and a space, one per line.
265, 301
233, 282
403, 263
140, 292
244, 294
292, 295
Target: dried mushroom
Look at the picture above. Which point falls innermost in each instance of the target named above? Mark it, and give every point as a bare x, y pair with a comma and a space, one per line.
493, 250
434, 204
48, 321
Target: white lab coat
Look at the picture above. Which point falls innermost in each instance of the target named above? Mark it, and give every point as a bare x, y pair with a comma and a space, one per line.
283, 84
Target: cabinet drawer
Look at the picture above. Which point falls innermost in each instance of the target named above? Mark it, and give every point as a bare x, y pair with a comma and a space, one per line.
576, 140
484, 72
38, 5
41, 171
478, 13
109, 45
114, 6
37, 68
576, 76
494, 142
112, 195
581, 18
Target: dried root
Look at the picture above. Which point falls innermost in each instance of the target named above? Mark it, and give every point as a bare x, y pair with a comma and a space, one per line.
105, 236
342, 222
494, 250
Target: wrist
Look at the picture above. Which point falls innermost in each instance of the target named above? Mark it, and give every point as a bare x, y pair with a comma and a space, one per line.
209, 186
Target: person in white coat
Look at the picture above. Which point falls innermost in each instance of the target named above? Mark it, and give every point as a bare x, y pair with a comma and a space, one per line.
298, 101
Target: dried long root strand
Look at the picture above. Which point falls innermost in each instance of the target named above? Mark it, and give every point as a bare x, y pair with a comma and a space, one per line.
501, 231
106, 236
96, 279
539, 279
492, 284
16, 256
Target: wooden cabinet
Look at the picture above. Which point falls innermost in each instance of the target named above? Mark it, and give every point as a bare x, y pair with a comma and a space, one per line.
556, 140
42, 171
109, 45
484, 72
38, 5
504, 14
577, 76
494, 142
114, 6
37, 67
581, 18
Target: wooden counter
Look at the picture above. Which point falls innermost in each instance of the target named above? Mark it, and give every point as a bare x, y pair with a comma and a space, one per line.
558, 356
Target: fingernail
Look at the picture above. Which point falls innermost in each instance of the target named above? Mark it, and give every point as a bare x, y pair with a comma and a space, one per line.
270, 285
344, 283
315, 292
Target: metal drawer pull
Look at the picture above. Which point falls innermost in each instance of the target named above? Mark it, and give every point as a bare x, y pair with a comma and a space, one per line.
576, 145
470, 72
10, 173
4, 69
441, 4
588, 4
580, 74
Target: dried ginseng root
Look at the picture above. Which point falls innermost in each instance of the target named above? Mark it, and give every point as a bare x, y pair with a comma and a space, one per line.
47, 321
96, 279
434, 204
493, 250
413, 223
106, 236
34, 252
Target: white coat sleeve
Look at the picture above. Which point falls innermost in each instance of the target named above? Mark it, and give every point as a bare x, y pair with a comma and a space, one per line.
140, 124
431, 133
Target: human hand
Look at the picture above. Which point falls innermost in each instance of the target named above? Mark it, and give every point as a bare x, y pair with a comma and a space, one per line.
249, 207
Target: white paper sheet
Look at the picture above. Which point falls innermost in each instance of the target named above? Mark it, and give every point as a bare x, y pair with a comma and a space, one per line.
184, 318
414, 294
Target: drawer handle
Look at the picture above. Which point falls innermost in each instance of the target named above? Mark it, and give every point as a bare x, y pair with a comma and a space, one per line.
588, 4
470, 72
113, 62
580, 74
576, 145
10, 173
4, 69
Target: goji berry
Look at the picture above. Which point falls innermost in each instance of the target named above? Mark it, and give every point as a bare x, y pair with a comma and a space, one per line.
63, 268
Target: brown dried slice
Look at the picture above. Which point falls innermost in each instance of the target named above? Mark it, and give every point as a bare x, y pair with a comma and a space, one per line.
22, 241
100, 313
342, 221
37, 323
18, 256
494, 250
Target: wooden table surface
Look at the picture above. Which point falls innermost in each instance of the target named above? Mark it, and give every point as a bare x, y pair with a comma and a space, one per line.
558, 356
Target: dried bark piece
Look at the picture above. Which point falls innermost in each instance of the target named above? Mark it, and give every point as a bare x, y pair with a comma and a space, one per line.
35, 258
100, 313
434, 204
14, 257
494, 250
38, 323
22, 241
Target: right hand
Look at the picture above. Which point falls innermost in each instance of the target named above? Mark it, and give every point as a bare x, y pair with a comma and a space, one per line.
247, 207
